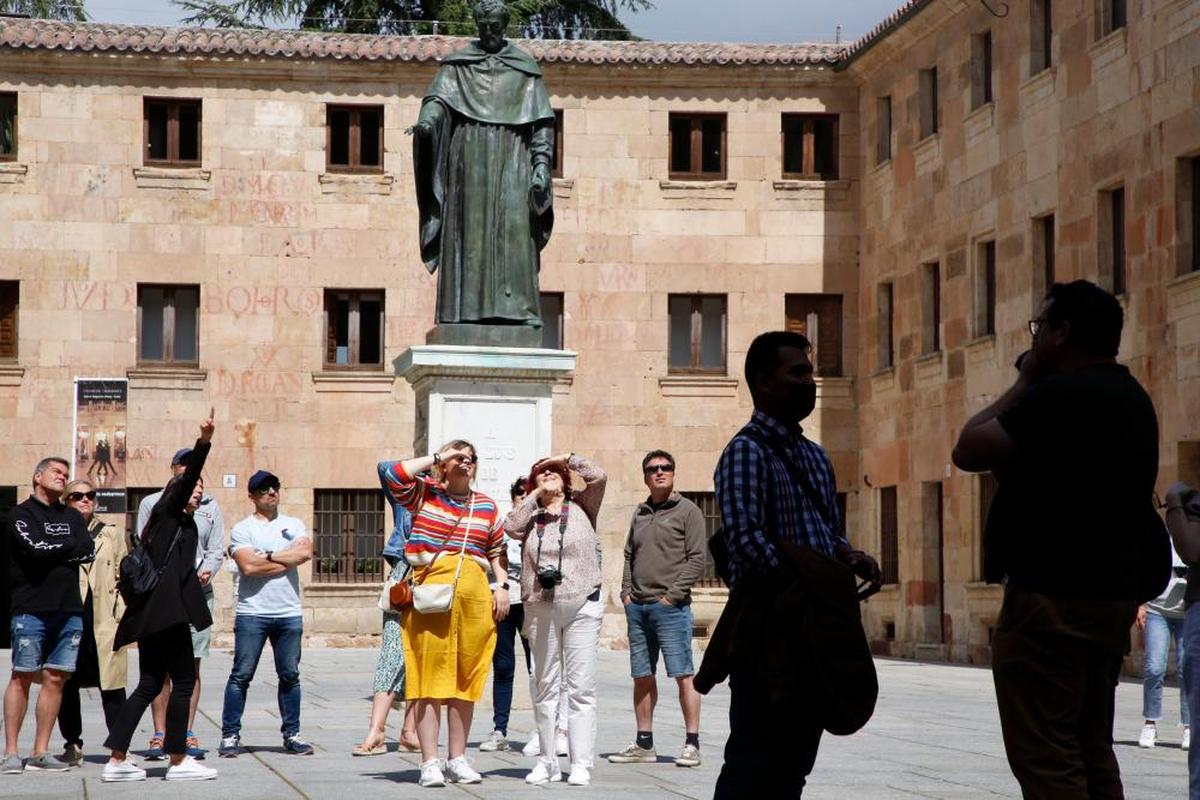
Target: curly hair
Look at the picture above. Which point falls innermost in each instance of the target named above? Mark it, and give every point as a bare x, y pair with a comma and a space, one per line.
482, 8
559, 469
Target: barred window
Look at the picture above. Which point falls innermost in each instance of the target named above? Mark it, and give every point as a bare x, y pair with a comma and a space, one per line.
349, 525
889, 535
707, 501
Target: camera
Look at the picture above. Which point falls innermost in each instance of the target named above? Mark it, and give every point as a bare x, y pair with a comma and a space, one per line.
549, 577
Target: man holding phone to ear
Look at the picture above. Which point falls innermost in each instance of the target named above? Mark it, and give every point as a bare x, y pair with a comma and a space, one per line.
1074, 443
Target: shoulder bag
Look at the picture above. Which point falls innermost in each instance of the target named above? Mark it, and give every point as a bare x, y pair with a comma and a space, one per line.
438, 598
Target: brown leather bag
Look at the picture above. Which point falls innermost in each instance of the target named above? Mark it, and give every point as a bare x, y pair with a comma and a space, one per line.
400, 595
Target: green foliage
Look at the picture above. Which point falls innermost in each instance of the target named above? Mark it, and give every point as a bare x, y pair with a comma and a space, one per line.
66, 10
545, 19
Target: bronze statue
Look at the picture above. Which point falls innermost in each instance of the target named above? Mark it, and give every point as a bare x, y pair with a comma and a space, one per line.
481, 156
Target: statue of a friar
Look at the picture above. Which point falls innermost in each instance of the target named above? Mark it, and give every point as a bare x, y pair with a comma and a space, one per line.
482, 149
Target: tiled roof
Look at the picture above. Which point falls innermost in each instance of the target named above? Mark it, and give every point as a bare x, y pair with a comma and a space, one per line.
891, 22
30, 34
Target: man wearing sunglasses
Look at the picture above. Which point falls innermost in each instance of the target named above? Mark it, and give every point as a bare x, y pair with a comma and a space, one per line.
210, 554
268, 547
664, 557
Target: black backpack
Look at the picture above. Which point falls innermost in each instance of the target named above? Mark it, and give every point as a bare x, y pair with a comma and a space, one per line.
137, 576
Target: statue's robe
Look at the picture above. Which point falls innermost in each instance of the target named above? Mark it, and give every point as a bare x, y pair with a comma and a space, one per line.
482, 229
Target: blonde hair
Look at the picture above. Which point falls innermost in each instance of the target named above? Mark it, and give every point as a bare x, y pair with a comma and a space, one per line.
454, 444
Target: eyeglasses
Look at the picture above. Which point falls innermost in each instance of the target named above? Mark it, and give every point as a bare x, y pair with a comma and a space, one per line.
75, 497
653, 468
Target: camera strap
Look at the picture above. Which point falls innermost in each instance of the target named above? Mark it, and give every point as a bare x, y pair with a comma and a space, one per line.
563, 513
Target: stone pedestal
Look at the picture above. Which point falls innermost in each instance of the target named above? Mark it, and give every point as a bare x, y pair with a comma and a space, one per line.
498, 398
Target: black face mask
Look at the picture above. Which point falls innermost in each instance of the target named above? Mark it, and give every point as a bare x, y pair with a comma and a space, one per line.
807, 400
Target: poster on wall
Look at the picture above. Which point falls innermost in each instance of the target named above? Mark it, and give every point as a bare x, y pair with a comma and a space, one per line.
100, 449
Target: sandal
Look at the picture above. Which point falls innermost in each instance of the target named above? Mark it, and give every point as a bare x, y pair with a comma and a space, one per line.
364, 750
412, 745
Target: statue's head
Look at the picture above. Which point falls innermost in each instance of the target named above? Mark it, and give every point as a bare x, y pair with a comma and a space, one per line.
491, 17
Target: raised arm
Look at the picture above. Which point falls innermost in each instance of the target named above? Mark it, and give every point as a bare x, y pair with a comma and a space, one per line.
178, 492
519, 521
592, 495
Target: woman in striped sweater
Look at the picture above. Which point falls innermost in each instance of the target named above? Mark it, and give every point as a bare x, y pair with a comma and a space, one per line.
447, 656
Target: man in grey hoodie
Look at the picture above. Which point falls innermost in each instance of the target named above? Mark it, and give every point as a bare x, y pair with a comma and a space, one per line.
664, 557
210, 554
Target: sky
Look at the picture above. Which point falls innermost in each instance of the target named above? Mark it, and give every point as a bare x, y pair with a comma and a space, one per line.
669, 20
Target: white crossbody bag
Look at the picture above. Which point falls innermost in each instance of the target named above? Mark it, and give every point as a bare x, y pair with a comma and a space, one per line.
438, 598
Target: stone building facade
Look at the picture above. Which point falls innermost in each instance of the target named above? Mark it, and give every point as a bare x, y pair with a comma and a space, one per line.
705, 193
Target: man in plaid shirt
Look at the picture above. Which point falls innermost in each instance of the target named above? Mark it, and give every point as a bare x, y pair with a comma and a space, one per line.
771, 482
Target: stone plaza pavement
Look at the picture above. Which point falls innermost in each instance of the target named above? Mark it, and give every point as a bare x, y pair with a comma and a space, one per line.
935, 735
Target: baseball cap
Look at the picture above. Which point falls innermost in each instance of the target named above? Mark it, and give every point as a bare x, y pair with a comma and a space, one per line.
181, 456
261, 480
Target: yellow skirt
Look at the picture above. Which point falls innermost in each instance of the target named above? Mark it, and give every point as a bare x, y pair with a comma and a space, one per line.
448, 656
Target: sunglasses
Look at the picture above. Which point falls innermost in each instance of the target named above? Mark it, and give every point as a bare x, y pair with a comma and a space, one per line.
653, 468
75, 497
266, 490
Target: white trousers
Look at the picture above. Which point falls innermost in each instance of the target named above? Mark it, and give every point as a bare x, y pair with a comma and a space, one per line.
563, 637
561, 719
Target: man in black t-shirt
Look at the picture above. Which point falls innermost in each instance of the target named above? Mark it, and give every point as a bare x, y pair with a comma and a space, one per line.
48, 541
1073, 534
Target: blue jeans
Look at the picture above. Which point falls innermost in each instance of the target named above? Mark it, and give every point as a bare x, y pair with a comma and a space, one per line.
653, 627
504, 665
46, 641
1191, 677
1160, 631
250, 635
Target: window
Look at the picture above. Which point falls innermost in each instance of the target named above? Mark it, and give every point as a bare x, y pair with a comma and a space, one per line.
133, 499
927, 90
168, 324
1112, 240
883, 130
1041, 34
1113, 16
985, 289
818, 318
354, 138
697, 146
8, 126
1043, 262
987, 494
697, 334
171, 132
1187, 210
889, 536
931, 307
556, 163
981, 69
810, 146
349, 527
552, 320
883, 318
10, 302
707, 501
353, 328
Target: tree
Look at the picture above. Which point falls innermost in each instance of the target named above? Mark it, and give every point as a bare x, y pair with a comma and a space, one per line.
545, 19
66, 10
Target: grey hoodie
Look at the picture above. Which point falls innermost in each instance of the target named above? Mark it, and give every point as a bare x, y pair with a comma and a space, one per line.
664, 554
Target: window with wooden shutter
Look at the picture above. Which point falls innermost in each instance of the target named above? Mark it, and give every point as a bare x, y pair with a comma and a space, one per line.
697, 145
8, 126
818, 318
696, 335
556, 162
354, 138
354, 321
810, 146
168, 324
9, 303
171, 132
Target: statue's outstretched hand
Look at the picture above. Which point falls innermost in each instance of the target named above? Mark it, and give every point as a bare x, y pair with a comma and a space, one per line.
422, 128
541, 185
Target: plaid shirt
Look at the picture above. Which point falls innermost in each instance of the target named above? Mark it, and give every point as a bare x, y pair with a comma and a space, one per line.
758, 492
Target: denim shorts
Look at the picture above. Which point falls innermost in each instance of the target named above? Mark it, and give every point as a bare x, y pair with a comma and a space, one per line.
654, 627
46, 641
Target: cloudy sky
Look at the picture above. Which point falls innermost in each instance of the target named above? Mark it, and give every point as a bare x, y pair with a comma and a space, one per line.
669, 20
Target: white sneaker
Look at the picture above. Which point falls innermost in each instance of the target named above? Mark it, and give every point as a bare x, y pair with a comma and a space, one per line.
561, 746
580, 776
1149, 736
495, 741
122, 771
190, 770
458, 770
431, 773
1185, 743
533, 747
544, 772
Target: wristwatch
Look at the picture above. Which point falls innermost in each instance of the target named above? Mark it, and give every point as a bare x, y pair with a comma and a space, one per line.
502, 586
437, 458
269, 555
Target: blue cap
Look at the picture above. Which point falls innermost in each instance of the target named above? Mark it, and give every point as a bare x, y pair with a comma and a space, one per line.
181, 456
260, 480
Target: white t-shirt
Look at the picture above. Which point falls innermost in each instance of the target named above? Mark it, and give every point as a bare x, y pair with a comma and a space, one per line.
277, 595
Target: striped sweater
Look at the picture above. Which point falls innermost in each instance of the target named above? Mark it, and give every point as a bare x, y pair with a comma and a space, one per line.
434, 514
